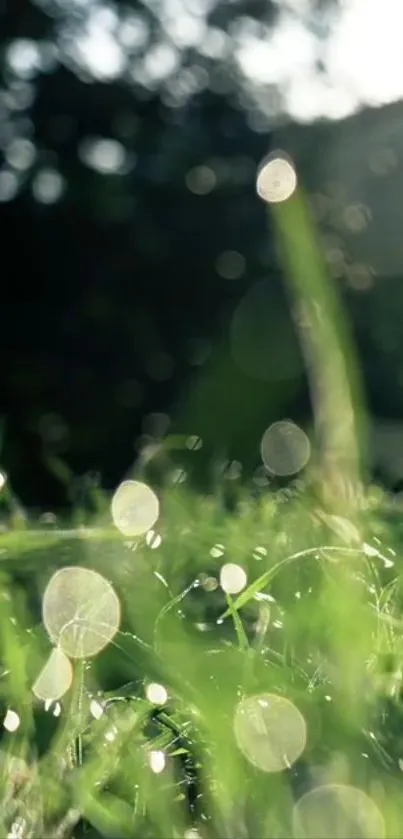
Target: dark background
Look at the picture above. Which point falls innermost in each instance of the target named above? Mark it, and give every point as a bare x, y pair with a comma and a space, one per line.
130, 231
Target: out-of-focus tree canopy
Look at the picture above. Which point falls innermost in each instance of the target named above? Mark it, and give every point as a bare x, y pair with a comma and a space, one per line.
130, 134
130, 138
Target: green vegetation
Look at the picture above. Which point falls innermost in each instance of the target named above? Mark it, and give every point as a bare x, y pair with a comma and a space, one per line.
318, 624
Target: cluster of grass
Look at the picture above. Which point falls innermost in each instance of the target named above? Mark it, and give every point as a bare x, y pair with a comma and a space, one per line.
318, 623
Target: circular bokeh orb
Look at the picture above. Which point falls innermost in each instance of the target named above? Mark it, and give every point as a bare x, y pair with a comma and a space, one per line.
285, 448
276, 180
337, 812
270, 731
56, 677
156, 694
81, 611
233, 578
135, 508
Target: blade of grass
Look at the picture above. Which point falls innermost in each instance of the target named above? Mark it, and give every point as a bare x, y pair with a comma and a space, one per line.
325, 341
242, 637
263, 581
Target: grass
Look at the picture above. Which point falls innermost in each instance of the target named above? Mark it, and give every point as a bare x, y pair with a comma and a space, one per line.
319, 625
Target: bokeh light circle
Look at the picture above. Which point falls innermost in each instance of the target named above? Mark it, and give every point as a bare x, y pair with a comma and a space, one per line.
233, 578
276, 180
337, 812
56, 677
270, 731
285, 448
157, 694
81, 611
135, 508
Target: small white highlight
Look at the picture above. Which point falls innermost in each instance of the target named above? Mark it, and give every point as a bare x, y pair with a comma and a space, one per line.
156, 694
276, 180
11, 721
96, 709
217, 551
17, 829
106, 156
369, 550
232, 578
3, 480
153, 540
157, 761
110, 735
194, 443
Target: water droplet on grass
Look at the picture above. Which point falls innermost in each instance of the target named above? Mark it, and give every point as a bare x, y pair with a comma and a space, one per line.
157, 761
153, 540
11, 721
217, 551
156, 694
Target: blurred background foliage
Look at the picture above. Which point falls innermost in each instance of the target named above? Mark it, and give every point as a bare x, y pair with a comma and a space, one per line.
144, 316
131, 233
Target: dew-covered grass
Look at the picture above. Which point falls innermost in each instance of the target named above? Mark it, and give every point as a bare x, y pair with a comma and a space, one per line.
318, 625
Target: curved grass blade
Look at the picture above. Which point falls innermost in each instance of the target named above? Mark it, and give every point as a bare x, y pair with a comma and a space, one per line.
332, 368
242, 637
266, 578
